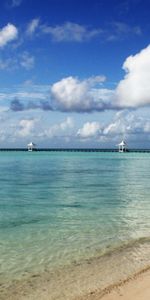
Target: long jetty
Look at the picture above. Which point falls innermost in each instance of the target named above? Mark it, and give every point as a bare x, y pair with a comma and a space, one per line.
74, 150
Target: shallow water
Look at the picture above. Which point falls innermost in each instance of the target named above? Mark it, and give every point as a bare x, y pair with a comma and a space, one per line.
60, 208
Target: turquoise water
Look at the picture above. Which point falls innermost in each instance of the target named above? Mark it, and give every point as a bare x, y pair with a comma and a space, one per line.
57, 208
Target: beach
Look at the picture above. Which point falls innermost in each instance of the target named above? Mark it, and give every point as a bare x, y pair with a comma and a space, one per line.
115, 274
134, 288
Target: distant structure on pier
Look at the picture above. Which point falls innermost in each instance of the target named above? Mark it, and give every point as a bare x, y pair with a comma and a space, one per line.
123, 147
31, 146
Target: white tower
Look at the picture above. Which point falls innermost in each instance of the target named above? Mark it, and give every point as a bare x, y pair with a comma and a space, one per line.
31, 146
122, 146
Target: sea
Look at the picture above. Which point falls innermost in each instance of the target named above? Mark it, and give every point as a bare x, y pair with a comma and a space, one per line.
61, 210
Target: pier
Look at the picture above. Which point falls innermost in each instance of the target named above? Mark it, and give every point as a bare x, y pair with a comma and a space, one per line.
73, 150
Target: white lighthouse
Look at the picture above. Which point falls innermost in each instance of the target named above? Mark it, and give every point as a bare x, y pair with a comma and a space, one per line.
123, 146
31, 146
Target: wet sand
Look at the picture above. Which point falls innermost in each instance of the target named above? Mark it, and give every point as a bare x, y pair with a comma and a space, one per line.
121, 274
136, 287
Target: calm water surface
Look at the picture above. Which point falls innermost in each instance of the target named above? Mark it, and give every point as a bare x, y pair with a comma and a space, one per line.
56, 208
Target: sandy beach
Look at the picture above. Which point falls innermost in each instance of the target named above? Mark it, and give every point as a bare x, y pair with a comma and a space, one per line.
80, 284
134, 288
137, 289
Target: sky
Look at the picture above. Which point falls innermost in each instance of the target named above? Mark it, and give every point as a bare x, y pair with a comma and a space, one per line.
75, 73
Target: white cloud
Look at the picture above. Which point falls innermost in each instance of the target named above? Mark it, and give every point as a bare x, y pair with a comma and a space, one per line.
89, 130
59, 128
32, 26
127, 123
32, 128
68, 123
115, 128
26, 127
69, 94
134, 89
8, 34
72, 94
19, 129
73, 32
27, 61
70, 32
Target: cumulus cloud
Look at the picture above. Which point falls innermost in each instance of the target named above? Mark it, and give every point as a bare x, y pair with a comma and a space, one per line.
72, 94
70, 32
26, 127
119, 125
33, 128
67, 95
134, 89
8, 34
59, 128
89, 130
126, 123
32, 26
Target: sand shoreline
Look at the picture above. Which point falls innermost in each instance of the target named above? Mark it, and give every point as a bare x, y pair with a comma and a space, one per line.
91, 278
136, 287
76, 284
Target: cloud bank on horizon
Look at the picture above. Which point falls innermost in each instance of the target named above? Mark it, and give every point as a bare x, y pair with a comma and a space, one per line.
124, 124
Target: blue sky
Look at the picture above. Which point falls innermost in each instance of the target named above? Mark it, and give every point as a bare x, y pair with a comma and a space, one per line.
74, 73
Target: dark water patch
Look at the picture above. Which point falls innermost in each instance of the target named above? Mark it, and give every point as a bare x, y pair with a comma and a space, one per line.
76, 205
21, 222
